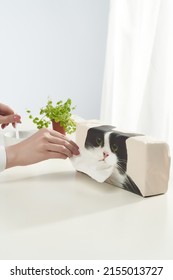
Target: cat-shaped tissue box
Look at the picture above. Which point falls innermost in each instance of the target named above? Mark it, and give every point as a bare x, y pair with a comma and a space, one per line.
134, 162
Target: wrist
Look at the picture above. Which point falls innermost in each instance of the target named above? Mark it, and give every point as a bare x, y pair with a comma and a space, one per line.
2, 158
11, 156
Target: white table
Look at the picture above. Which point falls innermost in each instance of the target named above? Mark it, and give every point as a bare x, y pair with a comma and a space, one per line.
49, 211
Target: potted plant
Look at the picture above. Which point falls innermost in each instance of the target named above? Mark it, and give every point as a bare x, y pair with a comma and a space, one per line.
59, 115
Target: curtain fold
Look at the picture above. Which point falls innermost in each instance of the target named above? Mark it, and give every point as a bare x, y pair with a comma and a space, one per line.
138, 83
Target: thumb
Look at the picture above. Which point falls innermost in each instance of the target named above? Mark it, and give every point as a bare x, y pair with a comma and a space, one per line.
9, 119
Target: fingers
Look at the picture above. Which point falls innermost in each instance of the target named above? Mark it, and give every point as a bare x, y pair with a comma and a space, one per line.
17, 119
5, 120
3, 125
5, 110
74, 145
7, 116
59, 149
62, 141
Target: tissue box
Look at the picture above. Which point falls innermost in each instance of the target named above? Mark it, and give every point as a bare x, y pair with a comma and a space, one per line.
133, 162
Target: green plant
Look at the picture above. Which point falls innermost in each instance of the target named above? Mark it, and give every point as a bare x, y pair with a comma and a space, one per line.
60, 112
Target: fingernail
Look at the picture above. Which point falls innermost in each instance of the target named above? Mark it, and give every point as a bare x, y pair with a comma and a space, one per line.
16, 118
77, 152
3, 126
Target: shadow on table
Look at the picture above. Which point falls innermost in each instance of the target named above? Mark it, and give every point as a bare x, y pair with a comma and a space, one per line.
54, 197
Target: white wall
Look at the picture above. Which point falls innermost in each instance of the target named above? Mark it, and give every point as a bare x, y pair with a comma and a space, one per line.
52, 48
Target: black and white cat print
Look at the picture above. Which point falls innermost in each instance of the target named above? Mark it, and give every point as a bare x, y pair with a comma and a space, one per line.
104, 157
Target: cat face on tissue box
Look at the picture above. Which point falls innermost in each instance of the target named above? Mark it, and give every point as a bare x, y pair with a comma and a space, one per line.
105, 154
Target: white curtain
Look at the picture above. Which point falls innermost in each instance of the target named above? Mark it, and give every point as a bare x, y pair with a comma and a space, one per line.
138, 78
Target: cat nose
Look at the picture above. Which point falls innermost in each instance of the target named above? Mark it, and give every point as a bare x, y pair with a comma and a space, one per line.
105, 154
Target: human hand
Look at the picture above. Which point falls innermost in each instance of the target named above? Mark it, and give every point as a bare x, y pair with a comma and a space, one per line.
44, 144
7, 116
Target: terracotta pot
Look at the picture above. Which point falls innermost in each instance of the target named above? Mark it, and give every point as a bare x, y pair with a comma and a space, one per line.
56, 126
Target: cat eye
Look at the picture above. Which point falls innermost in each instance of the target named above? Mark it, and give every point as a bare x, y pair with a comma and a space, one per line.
114, 148
99, 141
